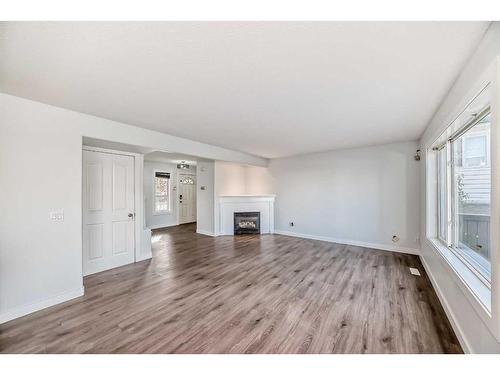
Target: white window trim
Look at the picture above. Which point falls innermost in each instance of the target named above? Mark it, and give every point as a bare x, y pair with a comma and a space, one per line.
446, 202
473, 280
473, 287
453, 237
484, 300
163, 212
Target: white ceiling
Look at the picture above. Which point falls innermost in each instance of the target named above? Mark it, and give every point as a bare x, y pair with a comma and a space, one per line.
267, 88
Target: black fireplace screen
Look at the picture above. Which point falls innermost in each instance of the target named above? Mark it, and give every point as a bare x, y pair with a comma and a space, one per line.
246, 222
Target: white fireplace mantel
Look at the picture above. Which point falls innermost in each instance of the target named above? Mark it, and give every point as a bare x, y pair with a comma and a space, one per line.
229, 204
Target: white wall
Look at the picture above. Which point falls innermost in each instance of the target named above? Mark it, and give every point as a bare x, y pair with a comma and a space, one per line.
258, 180
234, 179
473, 333
230, 178
166, 219
362, 196
40, 170
205, 197
239, 179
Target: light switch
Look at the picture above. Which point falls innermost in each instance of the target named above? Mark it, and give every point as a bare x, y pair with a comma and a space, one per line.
56, 215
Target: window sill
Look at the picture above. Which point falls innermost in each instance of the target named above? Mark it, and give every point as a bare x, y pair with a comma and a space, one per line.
474, 289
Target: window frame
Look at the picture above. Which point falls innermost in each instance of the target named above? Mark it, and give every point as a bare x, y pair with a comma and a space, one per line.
445, 239
484, 301
181, 181
155, 195
471, 263
452, 221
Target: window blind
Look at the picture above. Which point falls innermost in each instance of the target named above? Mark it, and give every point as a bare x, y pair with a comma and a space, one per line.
162, 175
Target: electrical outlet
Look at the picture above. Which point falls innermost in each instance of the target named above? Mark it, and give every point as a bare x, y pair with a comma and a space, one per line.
414, 271
56, 215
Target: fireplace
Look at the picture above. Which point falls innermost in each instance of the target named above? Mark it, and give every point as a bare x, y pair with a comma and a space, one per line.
246, 222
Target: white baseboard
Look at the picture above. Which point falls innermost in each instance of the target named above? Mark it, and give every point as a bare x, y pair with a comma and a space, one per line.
449, 313
159, 226
40, 305
206, 233
144, 256
396, 249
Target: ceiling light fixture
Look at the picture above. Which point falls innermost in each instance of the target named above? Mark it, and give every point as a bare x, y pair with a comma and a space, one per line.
183, 165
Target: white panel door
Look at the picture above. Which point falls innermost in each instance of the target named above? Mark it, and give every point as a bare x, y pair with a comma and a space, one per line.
108, 211
187, 198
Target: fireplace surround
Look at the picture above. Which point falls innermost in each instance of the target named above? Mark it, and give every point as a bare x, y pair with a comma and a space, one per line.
246, 222
229, 204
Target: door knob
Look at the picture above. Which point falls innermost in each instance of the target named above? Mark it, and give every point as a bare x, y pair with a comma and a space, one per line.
130, 215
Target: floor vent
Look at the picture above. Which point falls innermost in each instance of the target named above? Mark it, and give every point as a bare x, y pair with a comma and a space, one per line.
414, 271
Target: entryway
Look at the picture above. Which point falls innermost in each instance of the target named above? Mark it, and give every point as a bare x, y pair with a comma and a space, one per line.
187, 198
170, 189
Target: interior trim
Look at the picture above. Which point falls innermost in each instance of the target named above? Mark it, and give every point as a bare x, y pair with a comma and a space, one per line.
40, 305
206, 233
449, 313
397, 249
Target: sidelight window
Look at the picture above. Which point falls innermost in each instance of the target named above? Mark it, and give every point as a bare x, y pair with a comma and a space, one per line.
161, 192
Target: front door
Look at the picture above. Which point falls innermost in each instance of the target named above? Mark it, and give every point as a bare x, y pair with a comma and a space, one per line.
187, 198
108, 211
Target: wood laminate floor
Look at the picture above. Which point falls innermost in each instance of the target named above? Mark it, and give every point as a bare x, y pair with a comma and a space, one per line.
245, 294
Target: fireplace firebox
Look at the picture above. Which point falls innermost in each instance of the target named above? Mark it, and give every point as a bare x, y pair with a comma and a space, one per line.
246, 222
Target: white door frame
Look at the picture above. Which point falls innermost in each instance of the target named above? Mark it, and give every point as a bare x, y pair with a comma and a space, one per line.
178, 189
138, 199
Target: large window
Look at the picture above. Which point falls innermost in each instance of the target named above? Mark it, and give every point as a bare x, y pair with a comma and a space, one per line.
161, 192
471, 178
464, 194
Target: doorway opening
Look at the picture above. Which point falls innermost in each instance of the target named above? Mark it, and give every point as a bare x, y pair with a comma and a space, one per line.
127, 192
170, 189
187, 198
